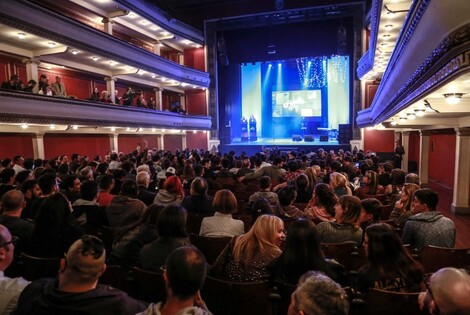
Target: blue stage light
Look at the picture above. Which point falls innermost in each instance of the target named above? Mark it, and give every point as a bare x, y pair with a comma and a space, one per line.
279, 64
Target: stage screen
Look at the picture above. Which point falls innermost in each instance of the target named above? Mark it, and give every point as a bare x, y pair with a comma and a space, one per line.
297, 103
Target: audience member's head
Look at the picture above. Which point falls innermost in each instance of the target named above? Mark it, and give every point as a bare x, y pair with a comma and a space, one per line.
143, 178
348, 209
89, 190
260, 207
22, 176
105, 182
174, 186
371, 209
48, 184
13, 201
199, 186
171, 222
264, 182
70, 183
7, 176
448, 293
424, 200
225, 202
185, 272
7, 247
412, 178
129, 188
317, 294
287, 195
30, 189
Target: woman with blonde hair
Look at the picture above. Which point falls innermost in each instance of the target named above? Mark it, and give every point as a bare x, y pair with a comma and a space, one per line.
402, 210
340, 184
222, 223
246, 257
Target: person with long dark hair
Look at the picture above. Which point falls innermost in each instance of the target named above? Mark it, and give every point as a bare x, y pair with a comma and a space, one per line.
321, 207
390, 266
302, 253
371, 186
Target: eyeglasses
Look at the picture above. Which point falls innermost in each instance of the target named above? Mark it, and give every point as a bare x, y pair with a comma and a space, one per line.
13, 241
428, 287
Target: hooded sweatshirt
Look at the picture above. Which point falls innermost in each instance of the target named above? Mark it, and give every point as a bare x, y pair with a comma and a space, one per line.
154, 309
124, 210
429, 228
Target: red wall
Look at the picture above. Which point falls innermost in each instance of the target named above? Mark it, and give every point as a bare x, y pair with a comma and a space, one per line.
14, 144
442, 158
194, 58
173, 142
90, 145
379, 140
128, 143
196, 102
414, 147
196, 140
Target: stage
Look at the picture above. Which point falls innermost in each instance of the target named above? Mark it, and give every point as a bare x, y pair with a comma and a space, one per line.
283, 144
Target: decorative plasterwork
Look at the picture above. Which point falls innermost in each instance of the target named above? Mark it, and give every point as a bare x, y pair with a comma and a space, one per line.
34, 19
31, 108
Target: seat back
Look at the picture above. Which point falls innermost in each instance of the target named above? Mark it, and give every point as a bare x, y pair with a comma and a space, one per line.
390, 303
39, 267
211, 247
233, 298
434, 258
148, 285
117, 277
107, 235
96, 216
347, 254
193, 223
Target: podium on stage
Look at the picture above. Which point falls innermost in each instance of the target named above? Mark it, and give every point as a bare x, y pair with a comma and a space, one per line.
253, 136
244, 129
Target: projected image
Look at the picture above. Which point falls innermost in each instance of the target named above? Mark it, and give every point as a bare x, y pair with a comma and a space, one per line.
302, 103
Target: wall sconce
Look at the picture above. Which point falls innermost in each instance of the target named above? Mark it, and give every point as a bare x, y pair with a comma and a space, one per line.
453, 98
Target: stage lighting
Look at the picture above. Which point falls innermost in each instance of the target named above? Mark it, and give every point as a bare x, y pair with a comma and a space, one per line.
271, 49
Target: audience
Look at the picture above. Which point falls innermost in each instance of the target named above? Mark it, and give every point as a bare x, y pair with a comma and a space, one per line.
321, 207
264, 183
171, 194
184, 275
246, 257
222, 223
427, 226
198, 200
402, 210
76, 290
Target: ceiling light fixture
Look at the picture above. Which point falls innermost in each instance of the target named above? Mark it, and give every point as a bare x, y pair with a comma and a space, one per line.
128, 129
420, 112
24, 125
453, 98
21, 35
402, 118
74, 52
113, 63
388, 27
411, 116
51, 44
386, 36
94, 58
52, 126
393, 122
74, 127
113, 128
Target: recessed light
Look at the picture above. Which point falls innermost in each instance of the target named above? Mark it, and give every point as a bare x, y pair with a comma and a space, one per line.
52, 126
384, 44
113, 63
94, 58
132, 15
154, 28
113, 129
128, 129
144, 22
411, 116
164, 33
74, 127
74, 52
388, 27
51, 44
21, 35
386, 36
153, 76
24, 126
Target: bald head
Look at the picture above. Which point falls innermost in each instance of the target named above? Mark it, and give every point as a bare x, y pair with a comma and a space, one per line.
85, 260
451, 291
6, 249
12, 201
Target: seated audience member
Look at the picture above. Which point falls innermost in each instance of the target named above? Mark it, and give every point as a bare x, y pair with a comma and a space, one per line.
125, 208
130, 239
322, 205
89, 194
317, 294
18, 164
264, 183
48, 185
274, 171
104, 97
246, 257
198, 201
389, 267
13, 84
222, 223
171, 226
105, 185
55, 228
171, 194
402, 210
447, 293
371, 186
76, 291
143, 181
245, 169
385, 177
184, 275
260, 207
13, 203
7, 180
58, 87
45, 90
304, 192
427, 226
286, 209
345, 229
301, 253
31, 191
412, 178
95, 96
339, 184
10, 287
398, 180
70, 188
370, 212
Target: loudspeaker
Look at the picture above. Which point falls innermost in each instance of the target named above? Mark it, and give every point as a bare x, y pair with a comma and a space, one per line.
344, 133
296, 138
324, 138
308, 138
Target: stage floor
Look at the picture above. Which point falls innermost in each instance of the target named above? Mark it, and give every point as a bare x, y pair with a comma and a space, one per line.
284, 144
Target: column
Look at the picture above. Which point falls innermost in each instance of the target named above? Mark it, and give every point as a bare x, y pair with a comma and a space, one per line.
156, 48
461, 172
405, 142
110, 87
183, 102
113, 142
32, 71
160, 142
424, 157
184, 140
38, 146
181, 59
108, 25
158, 98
